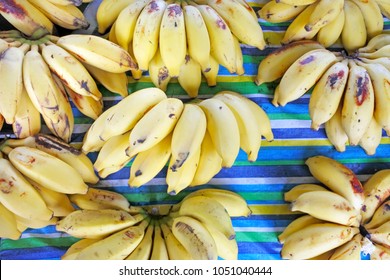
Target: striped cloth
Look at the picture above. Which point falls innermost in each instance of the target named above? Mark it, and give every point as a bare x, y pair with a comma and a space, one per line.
279, 167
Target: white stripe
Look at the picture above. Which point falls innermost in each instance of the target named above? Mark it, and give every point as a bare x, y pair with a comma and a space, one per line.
258, 229
44, 235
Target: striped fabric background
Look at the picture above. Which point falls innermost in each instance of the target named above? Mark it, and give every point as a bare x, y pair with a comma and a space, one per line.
279, 167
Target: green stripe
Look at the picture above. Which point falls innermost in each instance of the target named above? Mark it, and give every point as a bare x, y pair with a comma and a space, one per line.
257, 236
35, 242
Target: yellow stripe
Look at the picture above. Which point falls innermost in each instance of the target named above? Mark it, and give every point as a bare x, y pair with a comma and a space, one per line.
271, 209
307, 142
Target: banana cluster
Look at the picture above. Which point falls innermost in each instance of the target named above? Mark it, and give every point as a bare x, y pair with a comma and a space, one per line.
34, 17
41, 77
182, 40
349, 22
341, 216
348, 92
197, 228
37, 174
149, 130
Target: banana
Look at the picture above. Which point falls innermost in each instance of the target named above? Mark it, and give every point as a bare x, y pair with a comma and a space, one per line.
278, 12
327, 206
116, 246
297, 190
296, 30
276, 63
76, 247
114, 82
190, 76
76, 3
98, 199
60, 149
376, 191
250, 131
66, 16
372, 15
25, 17
358, 106
144, 248
227, 249
210, 162
27, 118
375, 43
127, 19
240, 69
159, 249
353, 23
187, 135
296, 2
223, 129
316, 239
172, 39
222, 46
327, 93
9, 227
350, 250
1, 121
302, 75
371, 138
96, 224
47, 170
176, 250
211, 74
380, 216
198, 40
98, 52
116, 120
158, 72
35, 223
112, 156
155, 125
380, 253
146, 33
297, 224
384, 5
330, 33
11, 87
147, 164
380, 234
384, 61
381, 52
18, 196
108, 11
240, 21
335, 131
70, 70
195, 238
338, 178
324, 12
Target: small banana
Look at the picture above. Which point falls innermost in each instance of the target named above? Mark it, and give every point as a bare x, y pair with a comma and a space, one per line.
335, 131
144, 248
176, 250
278, 12
158, 72
76, 247
297, 190
108, 12
350, 250
375, 43
324, 12
298, 224
330, 33
190, 76
381, 52
371, 138
372, 15
380, 216
159, 249
35, 223
353, 23
380, 234
380, 253
8, 223
227, 249
211, 74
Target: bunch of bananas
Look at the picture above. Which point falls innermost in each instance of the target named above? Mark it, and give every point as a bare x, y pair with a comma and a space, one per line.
341, 216
40, 77
32, 17
199, 227
350, 22
195, 139
349, 93
37, 174
182, 40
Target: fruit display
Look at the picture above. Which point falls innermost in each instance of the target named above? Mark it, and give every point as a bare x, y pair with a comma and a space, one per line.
184, 40
341, 216
36, 176
42, 76
348, 91
199, 227
329, 21
195, 139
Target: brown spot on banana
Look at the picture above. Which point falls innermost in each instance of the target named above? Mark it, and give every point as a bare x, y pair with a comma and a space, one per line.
362, 89
10, 7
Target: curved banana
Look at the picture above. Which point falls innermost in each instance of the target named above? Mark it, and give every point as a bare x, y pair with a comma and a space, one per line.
298, 224
381, 52
277, 12
158, 72
380, 234
98, 52
18, 196
76, 247
380, 253
327, 93
302, 75
190, 76
211, 74
144, 248
35, 223
330, 33
372, 15
380, 216
350, 250
8, 223
327, 206
335, 131
371, 139
155, 125
358, 103
375, 43
227, 249
297, 190
315, 239
353, 23
195, 238
176, 250
337, 177
146, 33
324, 12
47, 170
384, 5
275, 64
159, 249
240, 69
223, 129
108, 12
296, 2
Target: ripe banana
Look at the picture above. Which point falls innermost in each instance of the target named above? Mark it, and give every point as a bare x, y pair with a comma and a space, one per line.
34, 223
297, 190
380, 216
8, 223
144, 248
324, 12
335, 131
302, 75
297, 224
159, 249
372, 15
381, 234
211, 74
190, 76
327, 93
337, 177
380, 253
315, 239
330, 33
176, 250
227, 249
375, 43
76, 247
296, 2
158, 72
371, 138
353, 24
277, 12
108, 12
350, 250
381, 52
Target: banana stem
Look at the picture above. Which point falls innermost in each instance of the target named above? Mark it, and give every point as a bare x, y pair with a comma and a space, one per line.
5, 149
136, 210
145, 222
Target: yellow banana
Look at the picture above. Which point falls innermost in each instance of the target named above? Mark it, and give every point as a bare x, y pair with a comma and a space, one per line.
330, 33
35, 223
384, 5
76, 247
144, 248
76, 3
108, 11
380, 234
350, 250
227, 249
380, 253
335, 131
371, 139
277, 12
9, 227
381, 52
296, 2
324, 12
176, 250
372, 15
297, 190
159, 249
211, 74
354, 22
375, 43
240, 69
380, 216
190, 76
297, 224
158, 72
